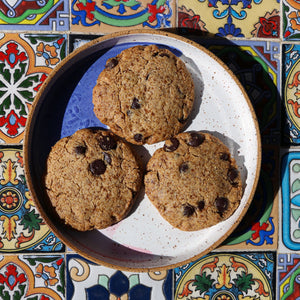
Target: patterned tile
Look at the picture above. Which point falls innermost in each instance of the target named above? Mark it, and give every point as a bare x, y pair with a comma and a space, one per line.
290, 205
86, 280
32, 277
244, 18
26, 60
290, 92
227, 276
288, 286
22, 228
113, 15
34, 15
291, 24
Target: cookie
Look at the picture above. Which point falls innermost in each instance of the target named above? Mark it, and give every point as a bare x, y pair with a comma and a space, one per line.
193, 181
92, 179
145, 94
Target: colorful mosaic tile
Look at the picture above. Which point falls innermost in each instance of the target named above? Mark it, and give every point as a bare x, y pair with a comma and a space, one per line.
290, 92
32, 277
34, 15
227, 276
290, 204
291, 24
26, 60
86, 280
288, 286
22, 228
112, 15
244, 18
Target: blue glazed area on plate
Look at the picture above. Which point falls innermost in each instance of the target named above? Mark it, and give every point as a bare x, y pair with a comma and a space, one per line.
79, 111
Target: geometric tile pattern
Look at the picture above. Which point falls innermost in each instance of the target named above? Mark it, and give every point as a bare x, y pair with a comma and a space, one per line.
288, 286
258, 40
290, 205
34, 15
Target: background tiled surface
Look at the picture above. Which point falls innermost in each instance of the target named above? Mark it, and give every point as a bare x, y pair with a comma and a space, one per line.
259, 41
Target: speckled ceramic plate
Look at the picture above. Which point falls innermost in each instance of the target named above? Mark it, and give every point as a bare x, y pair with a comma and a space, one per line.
144, 240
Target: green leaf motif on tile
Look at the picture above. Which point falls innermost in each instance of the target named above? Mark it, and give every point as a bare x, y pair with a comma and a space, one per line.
134, 279
296, 168
203, 283
296, 185
31, 221
103, 281
295, 214
244, 281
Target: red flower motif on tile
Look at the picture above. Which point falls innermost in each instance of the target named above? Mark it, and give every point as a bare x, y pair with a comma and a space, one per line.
13, 122
268, 26
11, 278
153, 10
188, 19
12, 55
88, 8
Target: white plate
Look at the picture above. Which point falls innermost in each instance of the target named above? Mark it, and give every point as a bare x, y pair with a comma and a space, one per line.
144, 240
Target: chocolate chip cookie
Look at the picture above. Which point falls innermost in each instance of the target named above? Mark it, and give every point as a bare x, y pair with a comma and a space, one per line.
92, 179
193, 181
145, 94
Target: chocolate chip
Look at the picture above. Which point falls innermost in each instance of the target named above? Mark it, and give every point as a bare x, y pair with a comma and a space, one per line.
188, 210
232, 174
164, 54
135, 103
182, 120
196, 139
183, 167
224, 156
200, 204
174, 145
97, 167
138, 137
107, 142
107, 157
80, 150
221, 203
111, 63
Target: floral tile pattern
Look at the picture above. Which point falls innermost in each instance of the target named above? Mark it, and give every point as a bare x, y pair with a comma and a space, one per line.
290, 86
26, 60
291, 24
21, 227
243, 19
32, 277
110, 15
86, 279
227, 276
35, 15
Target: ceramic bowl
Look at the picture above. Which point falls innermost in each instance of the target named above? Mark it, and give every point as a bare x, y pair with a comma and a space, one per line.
144, 240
